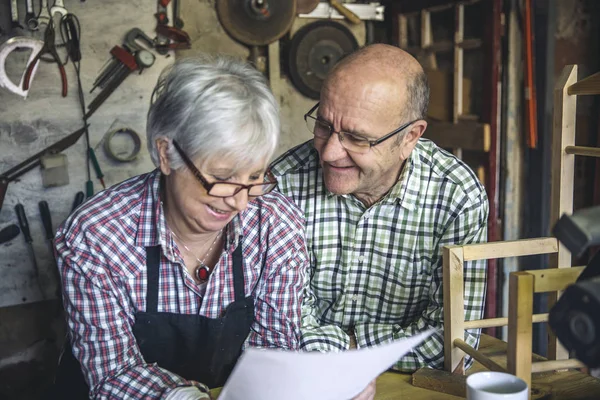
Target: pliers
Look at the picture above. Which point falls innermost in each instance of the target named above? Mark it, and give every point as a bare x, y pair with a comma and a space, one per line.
48, 47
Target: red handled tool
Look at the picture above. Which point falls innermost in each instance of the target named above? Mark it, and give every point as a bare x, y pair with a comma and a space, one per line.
49, 47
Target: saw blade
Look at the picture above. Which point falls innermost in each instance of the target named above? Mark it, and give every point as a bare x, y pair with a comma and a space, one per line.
314, 50
256, 22
18, 42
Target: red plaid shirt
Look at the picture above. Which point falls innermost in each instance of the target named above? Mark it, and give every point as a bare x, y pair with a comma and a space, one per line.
102, 260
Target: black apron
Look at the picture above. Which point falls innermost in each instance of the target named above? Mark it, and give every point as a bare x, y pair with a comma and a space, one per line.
195, 347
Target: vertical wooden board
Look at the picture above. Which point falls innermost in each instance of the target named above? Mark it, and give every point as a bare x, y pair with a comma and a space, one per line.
454, 312
563, 169
520, 325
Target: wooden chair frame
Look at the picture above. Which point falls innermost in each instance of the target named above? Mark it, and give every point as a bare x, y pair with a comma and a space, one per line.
523, 285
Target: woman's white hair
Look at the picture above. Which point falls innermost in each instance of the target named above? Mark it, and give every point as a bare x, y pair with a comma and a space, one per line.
214, 107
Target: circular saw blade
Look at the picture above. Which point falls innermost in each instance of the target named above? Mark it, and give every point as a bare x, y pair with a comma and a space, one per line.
256, 22
314, 50
306, 6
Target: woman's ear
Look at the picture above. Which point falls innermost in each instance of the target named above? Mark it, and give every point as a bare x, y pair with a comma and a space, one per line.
162, 146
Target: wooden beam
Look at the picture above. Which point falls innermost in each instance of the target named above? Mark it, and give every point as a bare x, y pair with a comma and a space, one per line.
554, 279
545, 366
589, 85
454, 303
512, 248
459, 31
503, 321
563, 171
478, 356
466, 135
583, 151
520, 329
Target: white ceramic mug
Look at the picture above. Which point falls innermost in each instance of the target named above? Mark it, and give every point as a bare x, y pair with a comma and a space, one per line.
496, 386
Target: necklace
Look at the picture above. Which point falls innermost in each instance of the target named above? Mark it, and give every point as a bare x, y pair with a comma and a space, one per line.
202, 271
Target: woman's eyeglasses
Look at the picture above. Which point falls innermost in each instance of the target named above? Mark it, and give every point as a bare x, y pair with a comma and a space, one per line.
228, 189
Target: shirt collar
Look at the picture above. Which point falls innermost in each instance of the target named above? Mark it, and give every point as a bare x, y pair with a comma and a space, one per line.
152, 226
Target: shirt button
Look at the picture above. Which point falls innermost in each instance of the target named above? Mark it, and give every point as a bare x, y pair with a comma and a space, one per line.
355, 298
361, 258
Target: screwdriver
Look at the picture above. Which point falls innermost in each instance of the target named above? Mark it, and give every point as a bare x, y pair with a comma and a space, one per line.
9, 233
47, 222
77, 201
25, 229
89, 184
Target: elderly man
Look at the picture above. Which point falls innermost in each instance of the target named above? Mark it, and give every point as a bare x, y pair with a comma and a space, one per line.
380, 203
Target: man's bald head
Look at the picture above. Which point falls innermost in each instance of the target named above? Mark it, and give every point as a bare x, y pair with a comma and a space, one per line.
382, 62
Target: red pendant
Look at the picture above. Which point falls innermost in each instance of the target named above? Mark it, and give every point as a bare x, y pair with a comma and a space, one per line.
202, 273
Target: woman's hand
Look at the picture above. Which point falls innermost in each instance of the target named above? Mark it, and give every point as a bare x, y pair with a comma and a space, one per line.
368, 393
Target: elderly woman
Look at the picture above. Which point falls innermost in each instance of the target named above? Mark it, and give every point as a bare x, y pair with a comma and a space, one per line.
168, 275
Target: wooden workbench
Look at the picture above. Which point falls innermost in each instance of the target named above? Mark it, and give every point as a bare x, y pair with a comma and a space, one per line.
560, 385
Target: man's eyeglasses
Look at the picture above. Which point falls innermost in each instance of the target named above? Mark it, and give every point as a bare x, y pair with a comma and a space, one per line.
351, 141
227, 189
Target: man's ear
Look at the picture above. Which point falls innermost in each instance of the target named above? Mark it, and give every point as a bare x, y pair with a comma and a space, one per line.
411, 138
162, 147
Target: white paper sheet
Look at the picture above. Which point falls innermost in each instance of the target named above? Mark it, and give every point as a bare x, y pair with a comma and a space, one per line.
267, 374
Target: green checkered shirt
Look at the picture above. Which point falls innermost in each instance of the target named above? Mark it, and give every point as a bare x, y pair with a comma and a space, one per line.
378, 270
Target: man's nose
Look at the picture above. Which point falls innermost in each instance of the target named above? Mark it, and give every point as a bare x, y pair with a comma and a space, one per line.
238, 201
333, 149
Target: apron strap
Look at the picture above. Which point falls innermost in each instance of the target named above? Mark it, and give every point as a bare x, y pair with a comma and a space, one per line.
152, 268
238, 273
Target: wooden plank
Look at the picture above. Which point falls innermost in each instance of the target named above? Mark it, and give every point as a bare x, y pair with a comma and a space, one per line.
502, 321
511, 248
274, 70
554, 279
458, 62
563, 170
454, 312
430, 61
520, 329
589, 85
466, 135
546, 366
583, 151
402, 31
478, 356
440, 381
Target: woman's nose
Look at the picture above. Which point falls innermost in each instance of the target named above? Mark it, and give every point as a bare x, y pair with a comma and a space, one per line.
238, 201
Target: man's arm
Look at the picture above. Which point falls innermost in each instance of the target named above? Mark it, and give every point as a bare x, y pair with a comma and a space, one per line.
278, 305
470, 226
101, 329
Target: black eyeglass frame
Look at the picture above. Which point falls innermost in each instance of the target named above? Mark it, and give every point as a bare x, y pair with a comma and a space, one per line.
208, 186
372, 143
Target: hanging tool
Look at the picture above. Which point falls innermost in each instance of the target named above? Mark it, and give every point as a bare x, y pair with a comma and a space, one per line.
99, 174
79, 197
350, 16
122, 64
9, 233
48, 47
44, 17
530, 93
30, 19
34, 161
256, 22
47, 222
306, 6
24, 225
14, 14
314, 50
177, 39
12, 44
177, 21
58, 8
118, 153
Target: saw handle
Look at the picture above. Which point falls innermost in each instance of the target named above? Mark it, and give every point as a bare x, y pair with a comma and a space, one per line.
46, 219
23, 222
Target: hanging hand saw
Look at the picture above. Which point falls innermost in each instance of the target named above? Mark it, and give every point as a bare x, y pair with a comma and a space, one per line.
33, 161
